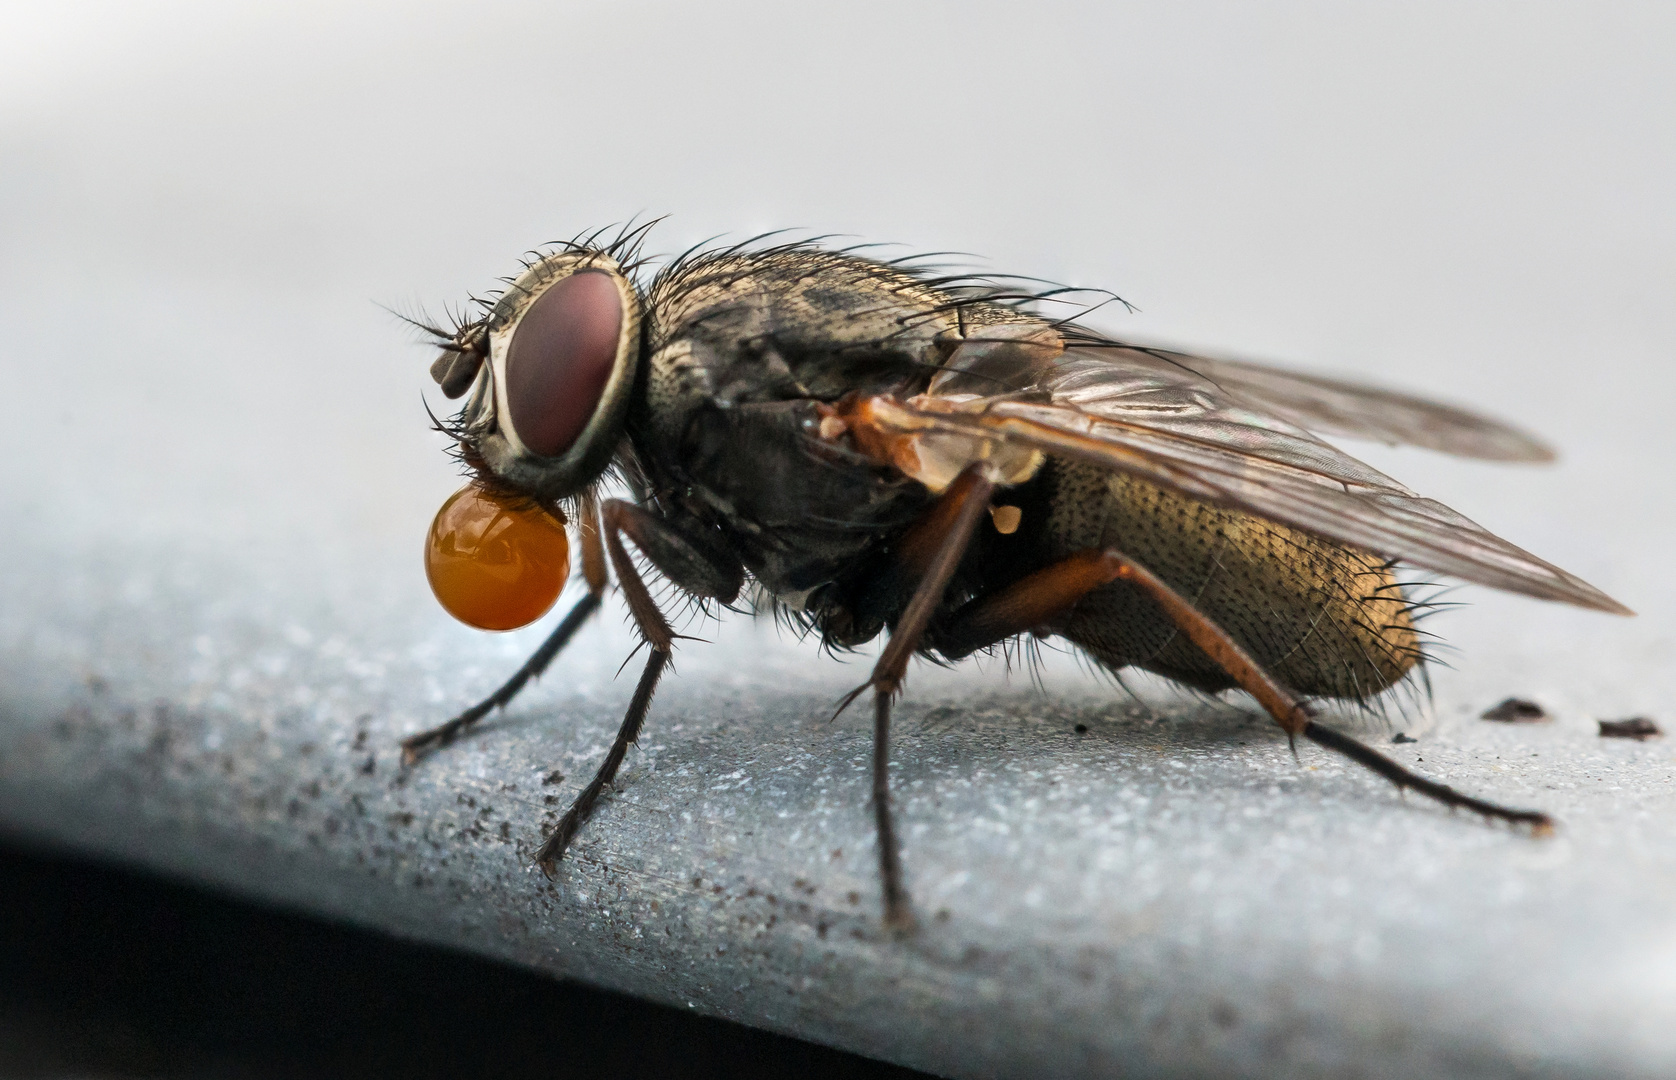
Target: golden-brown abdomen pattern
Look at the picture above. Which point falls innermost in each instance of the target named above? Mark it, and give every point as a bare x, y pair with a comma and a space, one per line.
1323, 619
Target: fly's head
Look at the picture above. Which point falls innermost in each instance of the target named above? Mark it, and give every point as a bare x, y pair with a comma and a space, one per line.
549, 372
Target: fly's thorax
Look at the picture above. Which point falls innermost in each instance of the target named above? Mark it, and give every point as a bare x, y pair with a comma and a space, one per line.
1325, 619
797, 297
796, 511
770, 336
799, 323
742, 351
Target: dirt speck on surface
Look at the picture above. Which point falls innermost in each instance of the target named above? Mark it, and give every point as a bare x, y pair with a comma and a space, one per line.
1516, 711
1636, 727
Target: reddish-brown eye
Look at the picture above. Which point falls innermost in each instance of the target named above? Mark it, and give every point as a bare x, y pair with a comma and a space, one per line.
560, 358
495, 563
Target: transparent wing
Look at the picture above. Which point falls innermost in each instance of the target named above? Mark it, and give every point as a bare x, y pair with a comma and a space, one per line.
1336, 407
1136, 412
1315, 403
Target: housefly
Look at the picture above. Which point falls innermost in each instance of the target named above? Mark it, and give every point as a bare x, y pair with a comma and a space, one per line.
878, 449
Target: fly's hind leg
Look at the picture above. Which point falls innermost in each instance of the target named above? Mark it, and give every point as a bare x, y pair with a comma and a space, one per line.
1049, 594
593, 572
943, 536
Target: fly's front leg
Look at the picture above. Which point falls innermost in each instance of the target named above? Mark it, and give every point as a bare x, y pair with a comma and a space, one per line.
1051, 593
693, 564
593, 572
950, 526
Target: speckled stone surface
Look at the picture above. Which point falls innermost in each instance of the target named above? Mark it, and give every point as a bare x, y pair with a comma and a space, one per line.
214, 628
1166, 891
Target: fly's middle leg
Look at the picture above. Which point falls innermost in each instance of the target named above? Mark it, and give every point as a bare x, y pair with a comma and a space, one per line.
943, 535
1050, 593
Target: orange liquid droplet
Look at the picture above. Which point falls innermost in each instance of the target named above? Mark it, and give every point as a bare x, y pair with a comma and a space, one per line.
495, 563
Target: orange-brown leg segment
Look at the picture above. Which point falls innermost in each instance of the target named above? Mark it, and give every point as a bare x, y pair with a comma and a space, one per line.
1049, 594
593, 572
951, 524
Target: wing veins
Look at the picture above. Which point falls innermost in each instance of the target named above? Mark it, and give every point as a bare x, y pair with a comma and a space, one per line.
1367, 510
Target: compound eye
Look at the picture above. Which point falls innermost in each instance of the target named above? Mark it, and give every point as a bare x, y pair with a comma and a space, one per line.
495, 563
560, 357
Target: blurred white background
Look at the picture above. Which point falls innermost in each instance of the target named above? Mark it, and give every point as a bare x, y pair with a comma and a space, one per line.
203, 206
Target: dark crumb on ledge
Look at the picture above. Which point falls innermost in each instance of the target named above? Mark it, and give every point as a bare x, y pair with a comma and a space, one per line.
1516, 711
1402, 737
1637, 727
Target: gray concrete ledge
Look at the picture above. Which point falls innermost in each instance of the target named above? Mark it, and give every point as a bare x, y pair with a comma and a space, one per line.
1166, 893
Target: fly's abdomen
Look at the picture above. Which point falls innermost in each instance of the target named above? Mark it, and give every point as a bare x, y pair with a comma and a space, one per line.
1324, 619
